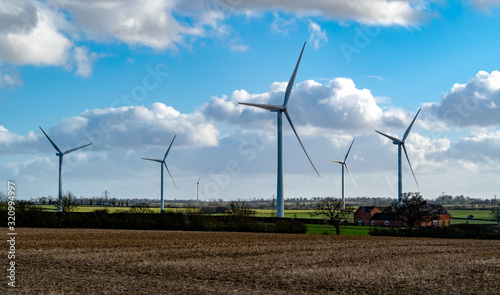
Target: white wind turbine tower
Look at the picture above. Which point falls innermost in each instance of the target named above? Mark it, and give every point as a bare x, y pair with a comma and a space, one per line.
280, 109
162, 162
401, 143
344, 164
61, 155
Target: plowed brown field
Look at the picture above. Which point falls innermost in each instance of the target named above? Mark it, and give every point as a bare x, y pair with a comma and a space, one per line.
86, 261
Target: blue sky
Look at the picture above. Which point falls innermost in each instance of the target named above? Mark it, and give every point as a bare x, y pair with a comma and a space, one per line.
128, 75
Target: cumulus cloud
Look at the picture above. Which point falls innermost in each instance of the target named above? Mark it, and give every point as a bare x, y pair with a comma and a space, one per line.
150, 23
51, 33
32, 37
475, 103
377, 12
139, 126
13, 143
338, 106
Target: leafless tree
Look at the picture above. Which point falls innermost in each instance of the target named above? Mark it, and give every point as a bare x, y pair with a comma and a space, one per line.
69, 203
332, 209
414, 210
240, 208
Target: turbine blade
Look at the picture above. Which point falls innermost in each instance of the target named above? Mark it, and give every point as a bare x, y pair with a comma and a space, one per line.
394, 139
292, 79
269, 107
154, 160
349, 150
404, 148
170, 174
347, 168
169, 148
198, 181
293, 128
411, 125
53, 144
72, 150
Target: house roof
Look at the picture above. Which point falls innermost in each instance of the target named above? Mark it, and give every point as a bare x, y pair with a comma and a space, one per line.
438, 209
367, 208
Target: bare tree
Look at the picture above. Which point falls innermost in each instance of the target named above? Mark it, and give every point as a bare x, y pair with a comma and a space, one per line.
495, 213
414, 210
240, 208
141, 208
69, 203
332, 209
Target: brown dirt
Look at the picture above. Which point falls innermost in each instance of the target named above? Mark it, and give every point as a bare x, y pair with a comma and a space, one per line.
87, 261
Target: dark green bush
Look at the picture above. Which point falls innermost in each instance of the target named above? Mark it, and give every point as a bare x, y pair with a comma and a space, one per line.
465, 231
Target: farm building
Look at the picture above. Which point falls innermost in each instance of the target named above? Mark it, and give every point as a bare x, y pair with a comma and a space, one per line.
444, 216
364, 214
380, 216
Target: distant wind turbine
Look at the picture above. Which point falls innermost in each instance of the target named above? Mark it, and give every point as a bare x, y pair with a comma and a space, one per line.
197, 189
162, 162
280, 109
401, 143
343, 163
61, 155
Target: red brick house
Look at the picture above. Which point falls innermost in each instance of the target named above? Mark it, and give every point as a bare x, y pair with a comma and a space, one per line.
364, 214
386, 219
380, 216
444, 217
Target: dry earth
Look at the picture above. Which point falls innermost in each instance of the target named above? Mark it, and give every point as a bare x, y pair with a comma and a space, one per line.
87, 261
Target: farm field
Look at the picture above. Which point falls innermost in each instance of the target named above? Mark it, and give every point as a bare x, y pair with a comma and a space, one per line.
85, 261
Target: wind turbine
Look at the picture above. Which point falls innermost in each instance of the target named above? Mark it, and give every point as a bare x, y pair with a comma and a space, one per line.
162, 162
280, 109
61, 155
197, 189
344, 164
401, 143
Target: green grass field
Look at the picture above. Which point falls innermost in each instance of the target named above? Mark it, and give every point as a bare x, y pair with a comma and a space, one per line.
478, 214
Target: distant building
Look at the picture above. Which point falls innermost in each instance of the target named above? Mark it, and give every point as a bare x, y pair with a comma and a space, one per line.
381, 216
364, 214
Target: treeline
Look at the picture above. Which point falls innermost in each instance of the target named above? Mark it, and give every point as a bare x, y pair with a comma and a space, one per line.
304, 203
28, 215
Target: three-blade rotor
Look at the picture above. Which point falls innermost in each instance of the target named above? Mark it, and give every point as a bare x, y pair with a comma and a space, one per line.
163, 161
59, 152
284, 108
402, 142
344, 163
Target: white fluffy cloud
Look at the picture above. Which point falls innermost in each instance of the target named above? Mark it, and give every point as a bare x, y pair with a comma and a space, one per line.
379, 12
475, 103
337, 106
31, 35
49, 33
139, 126
150, 23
